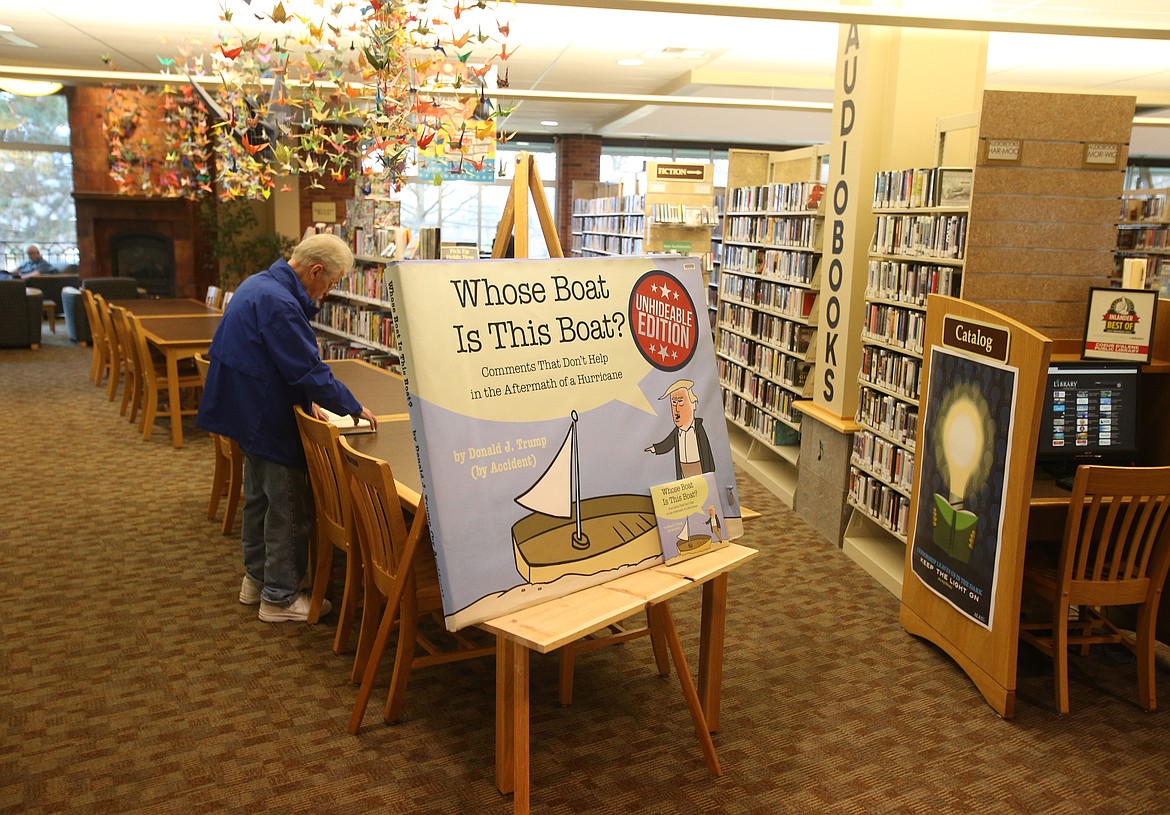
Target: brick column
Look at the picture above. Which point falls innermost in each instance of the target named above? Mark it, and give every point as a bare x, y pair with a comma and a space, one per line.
578, 159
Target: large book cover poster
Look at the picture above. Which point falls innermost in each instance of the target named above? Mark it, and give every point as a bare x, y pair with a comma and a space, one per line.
545, 398
963, 458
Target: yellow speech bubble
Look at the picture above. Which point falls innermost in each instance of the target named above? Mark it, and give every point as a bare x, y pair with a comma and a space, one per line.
506, 338
680, 499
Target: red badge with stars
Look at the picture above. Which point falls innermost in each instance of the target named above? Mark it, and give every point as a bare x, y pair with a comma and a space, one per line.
663, 321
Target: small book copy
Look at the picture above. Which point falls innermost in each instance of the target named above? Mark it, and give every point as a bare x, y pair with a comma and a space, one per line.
690, 518
345, 423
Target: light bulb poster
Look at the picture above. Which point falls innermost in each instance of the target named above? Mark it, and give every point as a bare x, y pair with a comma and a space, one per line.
963, 460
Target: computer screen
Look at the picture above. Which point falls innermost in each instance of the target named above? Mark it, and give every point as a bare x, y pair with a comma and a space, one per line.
1090, 413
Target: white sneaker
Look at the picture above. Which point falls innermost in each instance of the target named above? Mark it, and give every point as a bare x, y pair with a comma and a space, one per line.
297, 611
250, 591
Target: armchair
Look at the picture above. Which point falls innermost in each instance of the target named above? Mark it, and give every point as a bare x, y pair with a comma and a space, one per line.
20, 315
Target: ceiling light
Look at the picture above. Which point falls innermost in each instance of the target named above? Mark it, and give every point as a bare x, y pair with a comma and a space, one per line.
549, 123
630, 63
29, 87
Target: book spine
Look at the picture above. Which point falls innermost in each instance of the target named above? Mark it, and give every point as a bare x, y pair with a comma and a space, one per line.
395, 296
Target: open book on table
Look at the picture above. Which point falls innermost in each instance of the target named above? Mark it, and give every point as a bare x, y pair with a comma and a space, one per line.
345, 423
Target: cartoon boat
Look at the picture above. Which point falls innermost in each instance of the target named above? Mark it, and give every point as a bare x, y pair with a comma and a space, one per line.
566, 534
688, 543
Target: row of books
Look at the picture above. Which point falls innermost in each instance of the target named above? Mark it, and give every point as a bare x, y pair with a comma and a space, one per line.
922, 187
899, 327
801, 196
938, 235
910, 282
344, 349
364, 324
884, 459
366, 281
620, 203
886, 506
758, 420
1154, 238
789, 372
1151, 208
890, 370
608, 244
888, 415
781, 335
618, 224
804, 233
750, 320
793, 303
386, 242
787, 267
682, 214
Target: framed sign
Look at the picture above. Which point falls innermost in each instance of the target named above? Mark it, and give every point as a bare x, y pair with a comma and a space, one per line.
1119, 324
954, 186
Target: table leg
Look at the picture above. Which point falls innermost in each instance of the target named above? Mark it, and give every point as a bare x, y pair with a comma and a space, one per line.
711, 648
512, 722
176, 406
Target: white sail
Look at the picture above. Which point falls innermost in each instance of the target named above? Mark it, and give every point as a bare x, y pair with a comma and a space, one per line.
552, 492
685, 532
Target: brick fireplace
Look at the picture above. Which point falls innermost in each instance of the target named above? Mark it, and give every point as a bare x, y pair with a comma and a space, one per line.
156, 240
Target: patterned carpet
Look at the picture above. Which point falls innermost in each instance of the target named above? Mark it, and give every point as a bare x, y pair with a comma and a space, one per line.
132, 681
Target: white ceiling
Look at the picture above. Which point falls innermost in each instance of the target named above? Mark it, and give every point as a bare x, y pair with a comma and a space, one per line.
761, 49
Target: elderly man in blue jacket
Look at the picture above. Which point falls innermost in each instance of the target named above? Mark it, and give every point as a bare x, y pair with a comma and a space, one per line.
264, 362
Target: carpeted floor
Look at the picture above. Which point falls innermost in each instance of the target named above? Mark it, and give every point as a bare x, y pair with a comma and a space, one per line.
132, 681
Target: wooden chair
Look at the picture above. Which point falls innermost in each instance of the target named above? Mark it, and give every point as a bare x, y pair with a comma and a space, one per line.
400, 574
132, 389
113, 349
227, 298
334, 522
228, 478
154, 381
214, 296
1115, 552
100, 366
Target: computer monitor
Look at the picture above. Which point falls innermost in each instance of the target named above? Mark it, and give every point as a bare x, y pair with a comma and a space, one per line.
1090, 414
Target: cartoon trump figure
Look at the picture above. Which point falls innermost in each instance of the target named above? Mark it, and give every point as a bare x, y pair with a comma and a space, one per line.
688, 441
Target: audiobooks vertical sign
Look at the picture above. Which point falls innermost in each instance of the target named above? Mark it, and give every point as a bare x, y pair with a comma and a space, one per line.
546, 398
853, 154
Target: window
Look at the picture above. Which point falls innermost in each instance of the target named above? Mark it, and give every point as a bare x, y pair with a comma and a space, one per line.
469, 212
36, 180
620, 163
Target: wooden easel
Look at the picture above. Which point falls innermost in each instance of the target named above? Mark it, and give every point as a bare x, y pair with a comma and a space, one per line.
514, 221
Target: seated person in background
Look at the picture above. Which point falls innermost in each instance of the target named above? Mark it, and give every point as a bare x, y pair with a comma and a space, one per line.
35, 264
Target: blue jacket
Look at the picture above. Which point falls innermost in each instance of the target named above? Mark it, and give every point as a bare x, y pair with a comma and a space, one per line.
264, 362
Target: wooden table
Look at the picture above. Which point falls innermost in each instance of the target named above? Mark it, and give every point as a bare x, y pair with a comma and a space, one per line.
166, 307
380, 390
178, 338
393, 443
550, 625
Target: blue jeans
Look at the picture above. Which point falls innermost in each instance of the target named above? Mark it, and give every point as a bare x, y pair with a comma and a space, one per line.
275, 527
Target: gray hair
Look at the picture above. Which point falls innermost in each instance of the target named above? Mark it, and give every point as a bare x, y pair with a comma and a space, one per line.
328, 250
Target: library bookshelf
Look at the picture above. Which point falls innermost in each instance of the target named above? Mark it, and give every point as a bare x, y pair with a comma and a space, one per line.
917, 249
1143, 234
766, 322
670, 208
355, 317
